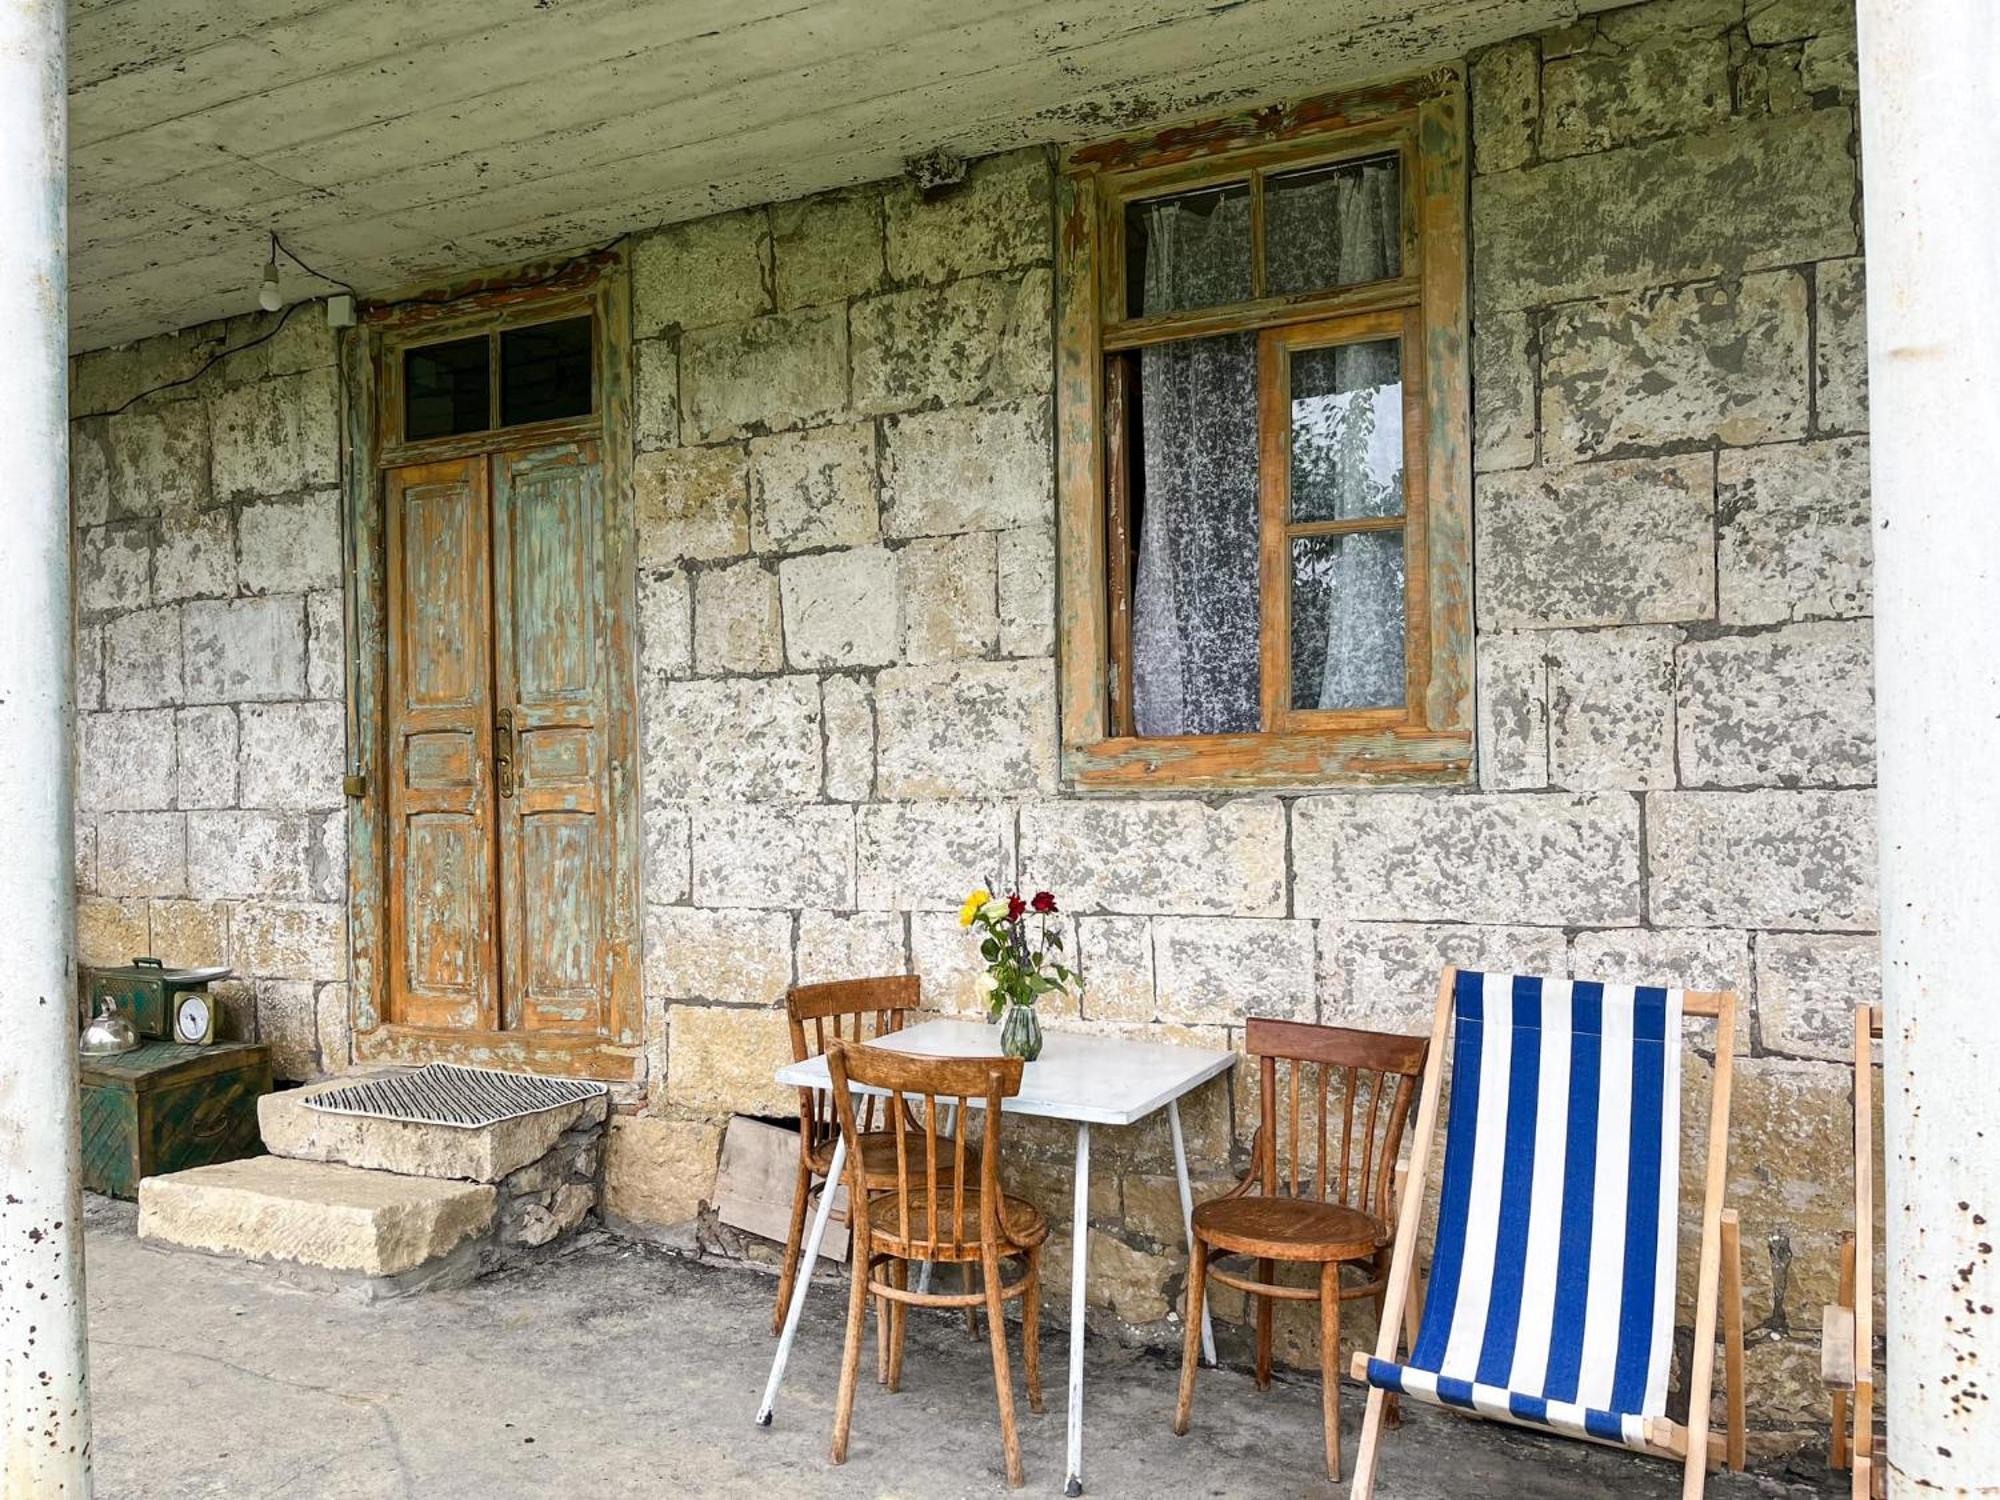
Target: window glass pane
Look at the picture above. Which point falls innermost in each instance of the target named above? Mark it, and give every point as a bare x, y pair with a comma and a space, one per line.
1347, 620
545, 372
1333, 226
1347, 431
444, 389
1195, 604
1188, 251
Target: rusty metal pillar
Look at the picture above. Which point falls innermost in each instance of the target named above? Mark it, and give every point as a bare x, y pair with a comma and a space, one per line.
1930, 131
47, 1402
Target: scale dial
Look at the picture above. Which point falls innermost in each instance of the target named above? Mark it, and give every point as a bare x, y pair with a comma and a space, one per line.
194, 1019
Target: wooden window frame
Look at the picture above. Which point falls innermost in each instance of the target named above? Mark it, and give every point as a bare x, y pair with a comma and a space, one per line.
1429, 738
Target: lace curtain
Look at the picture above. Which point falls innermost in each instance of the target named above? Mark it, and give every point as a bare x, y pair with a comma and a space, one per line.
1196, 611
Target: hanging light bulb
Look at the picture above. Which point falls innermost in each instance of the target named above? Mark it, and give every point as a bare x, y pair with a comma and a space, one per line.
268, 297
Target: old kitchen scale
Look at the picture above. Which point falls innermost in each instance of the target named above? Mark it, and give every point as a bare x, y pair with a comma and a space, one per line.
159, 1093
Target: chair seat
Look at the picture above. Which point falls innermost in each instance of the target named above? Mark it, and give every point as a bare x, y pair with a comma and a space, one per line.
1627, 1428
1289, 1229
1021, 1225
878, 1156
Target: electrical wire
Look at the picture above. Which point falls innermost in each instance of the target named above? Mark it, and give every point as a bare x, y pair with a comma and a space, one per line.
284, 317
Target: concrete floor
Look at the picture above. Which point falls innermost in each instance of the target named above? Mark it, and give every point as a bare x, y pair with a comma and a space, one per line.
622, 1369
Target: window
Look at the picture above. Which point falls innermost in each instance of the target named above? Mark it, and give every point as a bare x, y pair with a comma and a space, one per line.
545, 374
1264, 471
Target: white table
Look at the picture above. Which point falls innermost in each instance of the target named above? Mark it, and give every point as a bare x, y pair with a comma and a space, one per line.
1091, 1080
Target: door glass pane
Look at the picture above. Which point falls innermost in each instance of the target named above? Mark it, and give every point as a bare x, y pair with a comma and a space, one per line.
1195, 604
1333, 226
444, 389
545, 372
1347, 620
1347, 431
1188, 251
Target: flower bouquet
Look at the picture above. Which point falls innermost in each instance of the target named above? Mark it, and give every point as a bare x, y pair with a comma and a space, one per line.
1019, 969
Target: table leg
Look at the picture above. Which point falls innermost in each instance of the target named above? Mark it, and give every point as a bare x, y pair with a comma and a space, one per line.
1079, 1230
808, 1260
1187, 1223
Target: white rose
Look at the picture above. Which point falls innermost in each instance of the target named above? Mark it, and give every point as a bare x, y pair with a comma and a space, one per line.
987, 983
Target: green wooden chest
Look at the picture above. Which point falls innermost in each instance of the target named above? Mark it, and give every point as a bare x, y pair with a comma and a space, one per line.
163, 1107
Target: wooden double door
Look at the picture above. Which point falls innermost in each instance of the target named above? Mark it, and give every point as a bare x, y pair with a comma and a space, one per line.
503, 761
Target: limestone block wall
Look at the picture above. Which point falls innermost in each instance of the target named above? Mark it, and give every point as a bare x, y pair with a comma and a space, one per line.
844, 496
209, 672
849, 701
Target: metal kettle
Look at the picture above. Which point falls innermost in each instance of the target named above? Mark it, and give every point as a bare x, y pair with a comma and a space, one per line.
109, 1032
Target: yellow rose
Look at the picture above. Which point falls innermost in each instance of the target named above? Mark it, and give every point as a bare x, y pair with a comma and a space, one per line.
972, 904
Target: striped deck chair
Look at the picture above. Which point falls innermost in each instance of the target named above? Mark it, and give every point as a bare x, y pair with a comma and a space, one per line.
1551, 1293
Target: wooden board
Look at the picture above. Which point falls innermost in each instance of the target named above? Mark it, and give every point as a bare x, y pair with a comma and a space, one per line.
754, 1184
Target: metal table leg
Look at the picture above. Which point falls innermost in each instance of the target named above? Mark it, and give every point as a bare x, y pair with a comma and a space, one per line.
808, 1259
1079, 1229
1187, 1222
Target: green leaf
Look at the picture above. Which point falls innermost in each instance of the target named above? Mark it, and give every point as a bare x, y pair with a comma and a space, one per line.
989, 950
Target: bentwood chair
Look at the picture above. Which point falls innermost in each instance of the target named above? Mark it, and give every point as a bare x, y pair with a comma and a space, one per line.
850, 1010
1847, 1336
941, 1209
1551, 1296
1326, 1208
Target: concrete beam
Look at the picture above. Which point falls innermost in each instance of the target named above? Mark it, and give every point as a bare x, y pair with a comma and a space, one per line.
46, 1450
1930, 128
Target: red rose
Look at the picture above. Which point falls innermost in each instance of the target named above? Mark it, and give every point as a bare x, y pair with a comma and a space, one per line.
1015, 906
1045, 902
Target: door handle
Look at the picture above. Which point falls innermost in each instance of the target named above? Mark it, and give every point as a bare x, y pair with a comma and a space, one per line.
503, 750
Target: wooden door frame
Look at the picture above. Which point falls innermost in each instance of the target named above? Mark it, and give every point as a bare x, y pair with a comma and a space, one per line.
598, 284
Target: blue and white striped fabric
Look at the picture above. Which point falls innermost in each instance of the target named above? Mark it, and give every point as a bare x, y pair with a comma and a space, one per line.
1551, 1295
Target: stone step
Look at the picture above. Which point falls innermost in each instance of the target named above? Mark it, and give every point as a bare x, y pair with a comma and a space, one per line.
319, 1214
483, 1154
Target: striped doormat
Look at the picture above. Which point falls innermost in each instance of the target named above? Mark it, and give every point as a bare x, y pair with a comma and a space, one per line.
448, 1094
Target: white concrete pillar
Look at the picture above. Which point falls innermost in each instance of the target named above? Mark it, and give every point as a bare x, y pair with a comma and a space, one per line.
46, 1450
1930, 130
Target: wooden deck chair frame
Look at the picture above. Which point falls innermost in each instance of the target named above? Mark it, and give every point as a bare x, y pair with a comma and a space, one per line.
1719, 1289
1847, 1337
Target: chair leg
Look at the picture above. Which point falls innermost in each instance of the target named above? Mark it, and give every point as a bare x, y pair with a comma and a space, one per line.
1329, 1362
965, 1269
850, 1354
1197, 1287
882, 1321
1003, 1377
1732, 1341
1370, 1452
1267, 1273
899, 1321
801, 1193
1392, 1414
1841, 1458
1031, 1328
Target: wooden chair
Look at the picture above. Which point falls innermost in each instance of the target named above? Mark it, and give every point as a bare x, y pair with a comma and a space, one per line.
1329, 1213
937, 1211
1847, 1337
1552, 1286
841, 1010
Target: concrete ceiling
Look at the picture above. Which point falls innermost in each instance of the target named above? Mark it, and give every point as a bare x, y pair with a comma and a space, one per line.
394, 142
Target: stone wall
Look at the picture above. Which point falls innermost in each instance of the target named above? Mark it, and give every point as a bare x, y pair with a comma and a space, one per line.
846, 508
209, 672
844, 490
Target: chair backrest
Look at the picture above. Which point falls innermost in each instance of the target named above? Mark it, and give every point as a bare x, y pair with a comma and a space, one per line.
1341, 1097
1553, 1272
931, 1189
852, 1010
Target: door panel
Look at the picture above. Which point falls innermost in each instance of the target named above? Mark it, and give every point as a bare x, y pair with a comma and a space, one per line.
442, 835
554, 828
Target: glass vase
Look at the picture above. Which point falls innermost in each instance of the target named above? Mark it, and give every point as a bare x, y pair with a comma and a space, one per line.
1021, 1033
